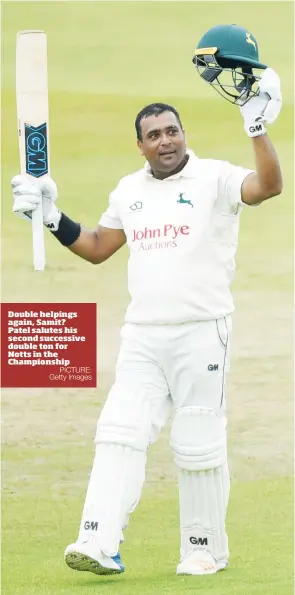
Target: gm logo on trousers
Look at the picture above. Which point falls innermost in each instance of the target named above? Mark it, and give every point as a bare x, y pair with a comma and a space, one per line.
213, 367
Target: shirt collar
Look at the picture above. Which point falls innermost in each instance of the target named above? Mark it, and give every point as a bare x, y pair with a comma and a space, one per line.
189, 170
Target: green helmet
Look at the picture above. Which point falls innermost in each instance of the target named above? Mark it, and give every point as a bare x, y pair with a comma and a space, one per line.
225, 58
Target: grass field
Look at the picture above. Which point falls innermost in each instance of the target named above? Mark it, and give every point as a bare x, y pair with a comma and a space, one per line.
106, 61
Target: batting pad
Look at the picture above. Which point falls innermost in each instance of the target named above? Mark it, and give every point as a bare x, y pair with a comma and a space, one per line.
198, 441
114, 489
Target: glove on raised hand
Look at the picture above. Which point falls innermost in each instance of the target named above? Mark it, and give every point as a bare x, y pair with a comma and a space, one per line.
27, 194
265, 107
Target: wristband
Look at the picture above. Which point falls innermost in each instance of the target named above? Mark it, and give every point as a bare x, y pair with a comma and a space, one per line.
68, 231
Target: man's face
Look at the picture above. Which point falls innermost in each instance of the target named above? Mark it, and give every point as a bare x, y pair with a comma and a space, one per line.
163, 142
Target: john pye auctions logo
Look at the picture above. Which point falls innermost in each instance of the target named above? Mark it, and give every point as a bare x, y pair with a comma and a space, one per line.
168, 231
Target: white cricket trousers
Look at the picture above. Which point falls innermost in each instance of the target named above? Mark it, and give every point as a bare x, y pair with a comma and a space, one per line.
162, 370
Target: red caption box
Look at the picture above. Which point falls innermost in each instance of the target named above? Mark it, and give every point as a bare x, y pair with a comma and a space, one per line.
48, 345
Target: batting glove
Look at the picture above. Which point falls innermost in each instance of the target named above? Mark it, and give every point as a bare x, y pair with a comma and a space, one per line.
265, 107
28, 194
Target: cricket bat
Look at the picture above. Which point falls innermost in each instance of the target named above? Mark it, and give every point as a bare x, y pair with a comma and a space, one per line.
32, 116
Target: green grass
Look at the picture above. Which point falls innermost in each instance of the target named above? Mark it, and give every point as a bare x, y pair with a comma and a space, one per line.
106, 61
37, 527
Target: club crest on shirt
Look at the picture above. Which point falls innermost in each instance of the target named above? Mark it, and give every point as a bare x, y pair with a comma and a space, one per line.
183, 201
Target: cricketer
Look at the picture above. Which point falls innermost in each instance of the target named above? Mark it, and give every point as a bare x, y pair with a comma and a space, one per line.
179, 216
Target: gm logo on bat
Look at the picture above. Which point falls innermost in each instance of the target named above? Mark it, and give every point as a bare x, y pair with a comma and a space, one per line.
36, 150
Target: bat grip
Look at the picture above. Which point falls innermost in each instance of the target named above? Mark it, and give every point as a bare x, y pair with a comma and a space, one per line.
38, 239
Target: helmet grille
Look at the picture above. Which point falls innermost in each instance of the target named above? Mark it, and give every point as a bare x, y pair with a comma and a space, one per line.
235, 82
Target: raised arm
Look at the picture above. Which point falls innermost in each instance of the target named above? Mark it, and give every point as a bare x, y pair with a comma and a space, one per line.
267, 180
259, 110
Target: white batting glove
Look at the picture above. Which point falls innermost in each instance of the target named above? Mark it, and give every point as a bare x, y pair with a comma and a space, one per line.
265, 107
27, 194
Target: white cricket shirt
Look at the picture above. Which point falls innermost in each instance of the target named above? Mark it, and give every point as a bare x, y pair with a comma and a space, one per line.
182, 233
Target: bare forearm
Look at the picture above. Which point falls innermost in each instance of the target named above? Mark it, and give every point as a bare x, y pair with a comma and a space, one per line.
267, 180
98, 245
86, 246
268, 169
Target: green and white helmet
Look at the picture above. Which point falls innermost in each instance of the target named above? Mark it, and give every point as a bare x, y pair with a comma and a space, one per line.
225, 58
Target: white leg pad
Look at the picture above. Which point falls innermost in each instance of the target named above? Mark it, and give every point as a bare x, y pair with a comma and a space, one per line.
198, 442
114, 489
115, 483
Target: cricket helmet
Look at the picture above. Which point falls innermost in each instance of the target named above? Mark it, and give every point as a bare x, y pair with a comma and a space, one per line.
225, 58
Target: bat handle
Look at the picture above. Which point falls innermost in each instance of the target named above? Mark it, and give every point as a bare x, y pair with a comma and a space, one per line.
38, 239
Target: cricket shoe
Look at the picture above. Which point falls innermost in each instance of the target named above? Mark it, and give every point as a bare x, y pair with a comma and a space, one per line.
82, 556
200, 562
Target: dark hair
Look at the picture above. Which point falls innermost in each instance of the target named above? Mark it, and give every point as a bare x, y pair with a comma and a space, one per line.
154, 109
